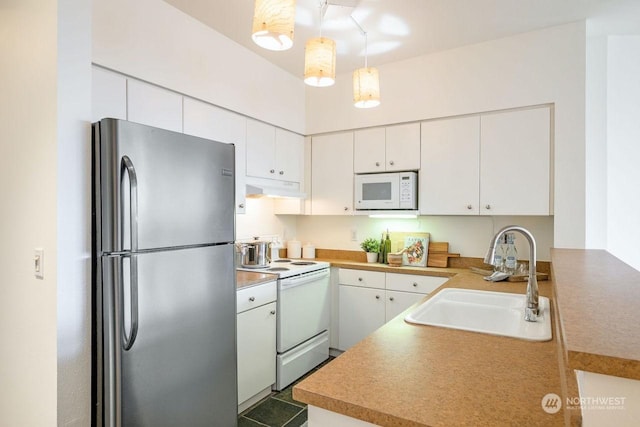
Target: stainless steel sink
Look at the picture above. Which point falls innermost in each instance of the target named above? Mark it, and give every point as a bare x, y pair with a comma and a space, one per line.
495, 313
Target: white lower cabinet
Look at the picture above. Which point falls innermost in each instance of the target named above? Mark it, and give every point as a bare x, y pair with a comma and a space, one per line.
368, 299
362, 311
256, 341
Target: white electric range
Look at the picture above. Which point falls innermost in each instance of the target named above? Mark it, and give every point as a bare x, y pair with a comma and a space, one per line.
303, 312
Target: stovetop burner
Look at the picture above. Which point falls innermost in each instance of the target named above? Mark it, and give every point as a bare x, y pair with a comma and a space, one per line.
278, 269
281, 260
303, 263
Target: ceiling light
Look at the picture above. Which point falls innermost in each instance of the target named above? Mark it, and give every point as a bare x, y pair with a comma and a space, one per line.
320, 60
273, 23
366, 81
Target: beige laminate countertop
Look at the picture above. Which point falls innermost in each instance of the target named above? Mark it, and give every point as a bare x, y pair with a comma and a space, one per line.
599, 301
251, 278
414, 375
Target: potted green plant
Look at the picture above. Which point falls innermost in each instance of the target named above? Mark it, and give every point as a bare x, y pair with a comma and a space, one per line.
371, 246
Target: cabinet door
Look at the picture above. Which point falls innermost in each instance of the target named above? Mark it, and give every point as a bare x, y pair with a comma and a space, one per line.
361, 312
515, 163
369, 149
256, 342
154, 106
211, 122
332, 174
402, 148
289, 155
449, 172
397, 302
261, 150
108, 95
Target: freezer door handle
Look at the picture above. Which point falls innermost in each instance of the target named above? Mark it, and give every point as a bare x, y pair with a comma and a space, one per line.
130, 338
126, 167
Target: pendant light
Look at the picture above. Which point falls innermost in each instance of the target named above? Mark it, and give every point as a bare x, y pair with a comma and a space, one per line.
320, 60
273, 23
366, 83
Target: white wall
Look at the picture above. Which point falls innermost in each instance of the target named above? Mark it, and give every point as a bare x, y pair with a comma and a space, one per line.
28, 174
468, 236
623, 148
546, 66
260, 221
74, 207
153, 41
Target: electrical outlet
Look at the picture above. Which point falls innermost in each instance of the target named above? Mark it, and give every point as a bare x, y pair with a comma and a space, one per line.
354, 234
38, 263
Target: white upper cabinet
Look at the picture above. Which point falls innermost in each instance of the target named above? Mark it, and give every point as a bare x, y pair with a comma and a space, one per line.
489, 164
273, 153
369, 150
450, 172
403, 147
211, 122
515, 162
289, 155
261, 149
386, 149
108, 95
332, 174
154, 106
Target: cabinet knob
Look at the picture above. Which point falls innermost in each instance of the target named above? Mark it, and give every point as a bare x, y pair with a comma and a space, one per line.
359, 279
272, 171
377, 296
488, 207
252, 299
391, 162
281, 172
415, 284
377, 163
390, 298
469, 207
241, 205
346, 208
272, 312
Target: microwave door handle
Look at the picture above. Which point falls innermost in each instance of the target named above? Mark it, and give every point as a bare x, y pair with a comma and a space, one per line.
128, 169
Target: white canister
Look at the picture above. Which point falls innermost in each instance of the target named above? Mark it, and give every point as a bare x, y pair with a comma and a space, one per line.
294, 249
308, 251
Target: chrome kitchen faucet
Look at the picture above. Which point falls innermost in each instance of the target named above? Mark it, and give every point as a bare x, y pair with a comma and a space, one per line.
531, 310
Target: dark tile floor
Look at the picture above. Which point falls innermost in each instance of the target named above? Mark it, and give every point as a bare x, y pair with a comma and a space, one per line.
279, 409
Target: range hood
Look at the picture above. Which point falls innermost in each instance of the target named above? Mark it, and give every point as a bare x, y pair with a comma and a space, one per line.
260, 187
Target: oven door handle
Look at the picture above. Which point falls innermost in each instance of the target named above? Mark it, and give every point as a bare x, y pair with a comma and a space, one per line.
303, 279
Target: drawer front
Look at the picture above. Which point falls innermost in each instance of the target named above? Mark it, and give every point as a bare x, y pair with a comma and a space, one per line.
255, 296
414, 283
367, 279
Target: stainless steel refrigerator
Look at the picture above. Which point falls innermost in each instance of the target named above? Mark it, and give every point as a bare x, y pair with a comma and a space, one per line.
164, 324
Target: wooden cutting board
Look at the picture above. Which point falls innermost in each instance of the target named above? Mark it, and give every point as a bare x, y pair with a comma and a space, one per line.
513, 278
439, 254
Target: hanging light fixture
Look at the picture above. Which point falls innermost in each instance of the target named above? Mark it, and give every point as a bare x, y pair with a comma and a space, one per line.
366, 82
273, 23
320, 60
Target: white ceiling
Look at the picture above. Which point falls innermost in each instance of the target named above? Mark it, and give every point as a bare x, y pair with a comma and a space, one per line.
398, 29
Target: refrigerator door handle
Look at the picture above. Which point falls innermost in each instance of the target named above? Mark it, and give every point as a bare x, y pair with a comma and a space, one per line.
128, 340
128, 169
126, 166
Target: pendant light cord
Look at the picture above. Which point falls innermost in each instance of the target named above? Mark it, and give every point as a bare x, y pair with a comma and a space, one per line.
366, 38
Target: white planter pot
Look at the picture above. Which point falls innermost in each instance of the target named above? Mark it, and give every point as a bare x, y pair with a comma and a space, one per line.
372, 257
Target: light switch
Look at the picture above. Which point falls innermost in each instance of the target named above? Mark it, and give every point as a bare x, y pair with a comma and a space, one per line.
354, 234
38, 263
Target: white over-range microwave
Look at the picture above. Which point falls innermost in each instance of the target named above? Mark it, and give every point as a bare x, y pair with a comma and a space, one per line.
386, 191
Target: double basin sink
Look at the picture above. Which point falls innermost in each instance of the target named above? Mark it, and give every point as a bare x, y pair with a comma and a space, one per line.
488, 312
